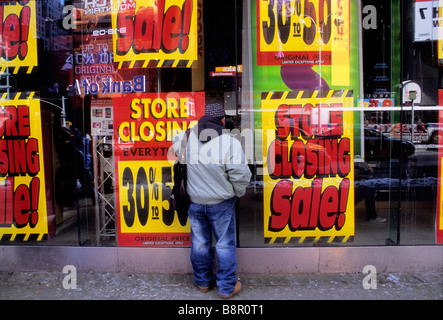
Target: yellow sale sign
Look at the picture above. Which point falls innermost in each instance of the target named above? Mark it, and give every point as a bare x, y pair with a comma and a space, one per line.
303, 32
160, 33
308, 166
18, 35
23, 214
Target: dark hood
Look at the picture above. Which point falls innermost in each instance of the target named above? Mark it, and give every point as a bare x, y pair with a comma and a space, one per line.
212, 123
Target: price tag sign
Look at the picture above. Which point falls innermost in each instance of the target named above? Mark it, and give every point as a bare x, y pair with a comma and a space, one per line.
300, 32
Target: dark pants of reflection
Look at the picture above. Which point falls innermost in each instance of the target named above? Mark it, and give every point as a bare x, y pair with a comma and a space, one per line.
368, 194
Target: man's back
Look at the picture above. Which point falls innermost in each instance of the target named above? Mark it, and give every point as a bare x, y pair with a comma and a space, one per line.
217, 169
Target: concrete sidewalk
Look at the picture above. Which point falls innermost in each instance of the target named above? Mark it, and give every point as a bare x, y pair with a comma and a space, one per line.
301, 286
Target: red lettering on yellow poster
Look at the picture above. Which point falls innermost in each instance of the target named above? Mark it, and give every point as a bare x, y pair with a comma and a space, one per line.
144, 125
439, 220
23, 215
308, 167
302, 32
155, 33
18, 36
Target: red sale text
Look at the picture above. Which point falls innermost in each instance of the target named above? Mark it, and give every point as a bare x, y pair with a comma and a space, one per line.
301, 151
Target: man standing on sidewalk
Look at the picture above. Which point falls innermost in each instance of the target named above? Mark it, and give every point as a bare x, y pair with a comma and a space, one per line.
217, 173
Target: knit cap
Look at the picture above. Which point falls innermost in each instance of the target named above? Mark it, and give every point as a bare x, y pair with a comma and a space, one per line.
215, 110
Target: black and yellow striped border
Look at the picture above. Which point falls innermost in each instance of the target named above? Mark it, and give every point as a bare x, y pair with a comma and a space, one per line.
156, 63
22, 237
19, 95
306, 94
308, 239
18, 69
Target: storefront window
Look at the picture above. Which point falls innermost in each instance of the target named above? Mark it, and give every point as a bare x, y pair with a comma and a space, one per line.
336, 103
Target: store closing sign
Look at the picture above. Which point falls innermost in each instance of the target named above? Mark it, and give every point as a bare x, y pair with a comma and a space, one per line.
308, 156
23, 215
18, 38
144, 126
161, 33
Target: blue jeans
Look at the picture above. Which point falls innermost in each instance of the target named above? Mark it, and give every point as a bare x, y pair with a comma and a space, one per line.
220, 220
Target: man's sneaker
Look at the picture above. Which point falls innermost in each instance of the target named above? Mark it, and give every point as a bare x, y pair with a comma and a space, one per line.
379, 220
237, 289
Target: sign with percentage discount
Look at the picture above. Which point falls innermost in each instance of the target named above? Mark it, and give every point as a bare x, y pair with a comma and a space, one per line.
146, 218
303, 32
144, 125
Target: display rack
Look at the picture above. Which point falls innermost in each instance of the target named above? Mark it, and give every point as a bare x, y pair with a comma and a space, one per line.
104, 183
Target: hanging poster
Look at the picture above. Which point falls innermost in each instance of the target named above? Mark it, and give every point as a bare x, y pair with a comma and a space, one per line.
144, 125
155, 34
18, 36
23, 214
305, 32
428, 20
308, 166
439, 219
102, 123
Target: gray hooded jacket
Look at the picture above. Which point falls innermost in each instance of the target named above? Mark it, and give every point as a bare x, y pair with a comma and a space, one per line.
216, 165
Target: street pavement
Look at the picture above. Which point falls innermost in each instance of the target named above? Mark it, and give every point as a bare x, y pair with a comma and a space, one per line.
76, 285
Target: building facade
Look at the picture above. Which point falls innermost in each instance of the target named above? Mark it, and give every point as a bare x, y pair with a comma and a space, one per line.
337, 104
